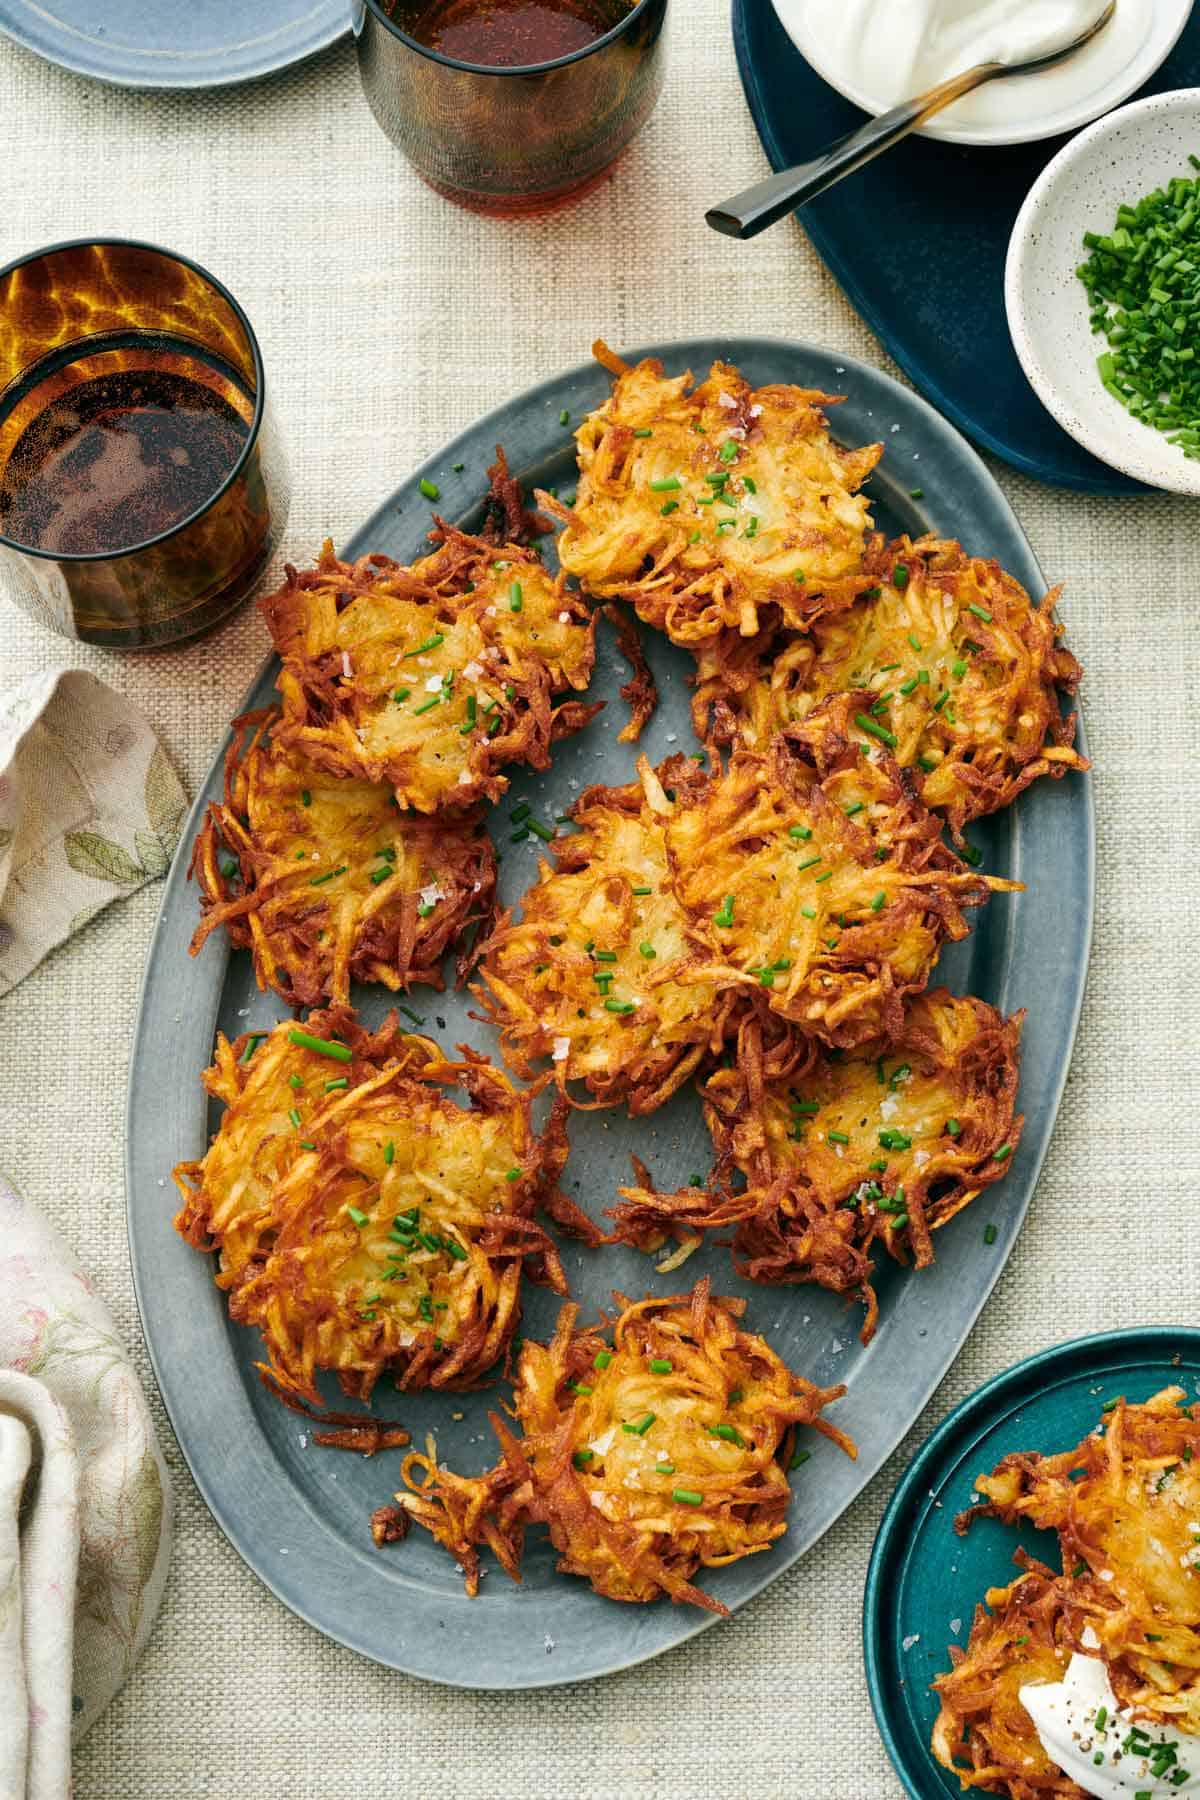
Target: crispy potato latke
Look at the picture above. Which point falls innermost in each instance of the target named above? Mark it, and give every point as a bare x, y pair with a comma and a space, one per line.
726, 507
686, 900
595, 972
326, 881
983, 1734
365, 1221
831, 895
434, 677
957, 663
841, 1152
1124, 1504
648, 1458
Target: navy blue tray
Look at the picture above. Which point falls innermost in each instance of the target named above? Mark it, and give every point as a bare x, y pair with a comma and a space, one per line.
917, 240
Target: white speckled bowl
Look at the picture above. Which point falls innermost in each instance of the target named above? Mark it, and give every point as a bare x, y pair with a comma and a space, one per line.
1117, 160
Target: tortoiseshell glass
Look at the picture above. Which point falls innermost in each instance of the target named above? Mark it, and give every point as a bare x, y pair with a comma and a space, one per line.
510, 140
81, 310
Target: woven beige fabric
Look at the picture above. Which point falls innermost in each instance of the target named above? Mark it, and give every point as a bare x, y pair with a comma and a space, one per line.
389, 321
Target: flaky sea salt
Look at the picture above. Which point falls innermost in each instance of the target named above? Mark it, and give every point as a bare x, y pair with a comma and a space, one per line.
561, 1049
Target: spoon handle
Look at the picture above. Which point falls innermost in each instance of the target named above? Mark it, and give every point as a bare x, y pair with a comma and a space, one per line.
751, 211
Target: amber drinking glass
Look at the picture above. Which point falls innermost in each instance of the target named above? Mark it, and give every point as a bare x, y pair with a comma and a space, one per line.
142, 484
511, 139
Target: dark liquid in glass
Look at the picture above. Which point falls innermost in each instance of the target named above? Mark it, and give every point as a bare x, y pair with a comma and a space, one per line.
508, 33
121, 457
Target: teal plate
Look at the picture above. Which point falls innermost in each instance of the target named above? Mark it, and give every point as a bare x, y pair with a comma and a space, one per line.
924, 1581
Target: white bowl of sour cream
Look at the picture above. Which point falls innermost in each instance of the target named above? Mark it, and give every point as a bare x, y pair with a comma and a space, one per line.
880, 52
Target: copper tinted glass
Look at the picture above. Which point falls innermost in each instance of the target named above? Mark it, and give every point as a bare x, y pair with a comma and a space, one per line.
511, 139
86, 329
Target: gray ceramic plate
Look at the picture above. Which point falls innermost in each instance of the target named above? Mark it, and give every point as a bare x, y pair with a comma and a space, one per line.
148, 44
298, 1514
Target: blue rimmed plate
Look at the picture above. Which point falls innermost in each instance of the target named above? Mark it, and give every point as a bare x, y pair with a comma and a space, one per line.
924, 1581
207, 43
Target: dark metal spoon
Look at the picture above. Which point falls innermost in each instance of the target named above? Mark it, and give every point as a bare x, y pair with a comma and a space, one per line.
756, 207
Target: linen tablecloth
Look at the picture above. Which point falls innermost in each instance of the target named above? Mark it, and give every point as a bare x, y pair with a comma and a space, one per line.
389, 321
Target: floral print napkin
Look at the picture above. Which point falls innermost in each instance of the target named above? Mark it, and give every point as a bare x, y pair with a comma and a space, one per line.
85, 1507
90, 809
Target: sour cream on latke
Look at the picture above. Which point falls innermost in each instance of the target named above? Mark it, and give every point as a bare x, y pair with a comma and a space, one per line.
1065, 1713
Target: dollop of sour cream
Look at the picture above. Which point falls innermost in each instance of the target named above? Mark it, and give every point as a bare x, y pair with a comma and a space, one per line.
1094, 1755
886, 51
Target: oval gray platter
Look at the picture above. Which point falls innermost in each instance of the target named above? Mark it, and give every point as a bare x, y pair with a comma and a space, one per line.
298, 1514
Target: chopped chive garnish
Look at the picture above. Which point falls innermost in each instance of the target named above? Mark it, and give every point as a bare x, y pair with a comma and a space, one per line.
512, 1175
329, 874
807, 912
827, 876
900, 577
427, 705
666, 484
378, 875
1002, 1154
810, 864
989, 1235
728, 450
668, 506
468, 724
916, 493
981, 612
252, 1043
953, 1127
619, 1006
545, 832
641, 1426
687, 1497
432, 642
564, 417
648, 951
580, 1387
836, 1137
661, 1365
602, 1359
803, 832
581, 1458
643, 431
323, 1046
914, 640
725, 916
295, 1081
416, 1017
799, 1459
429, 488
360, 1218
664, 1468
875, 729
879, 901
857, 807
338, 1082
